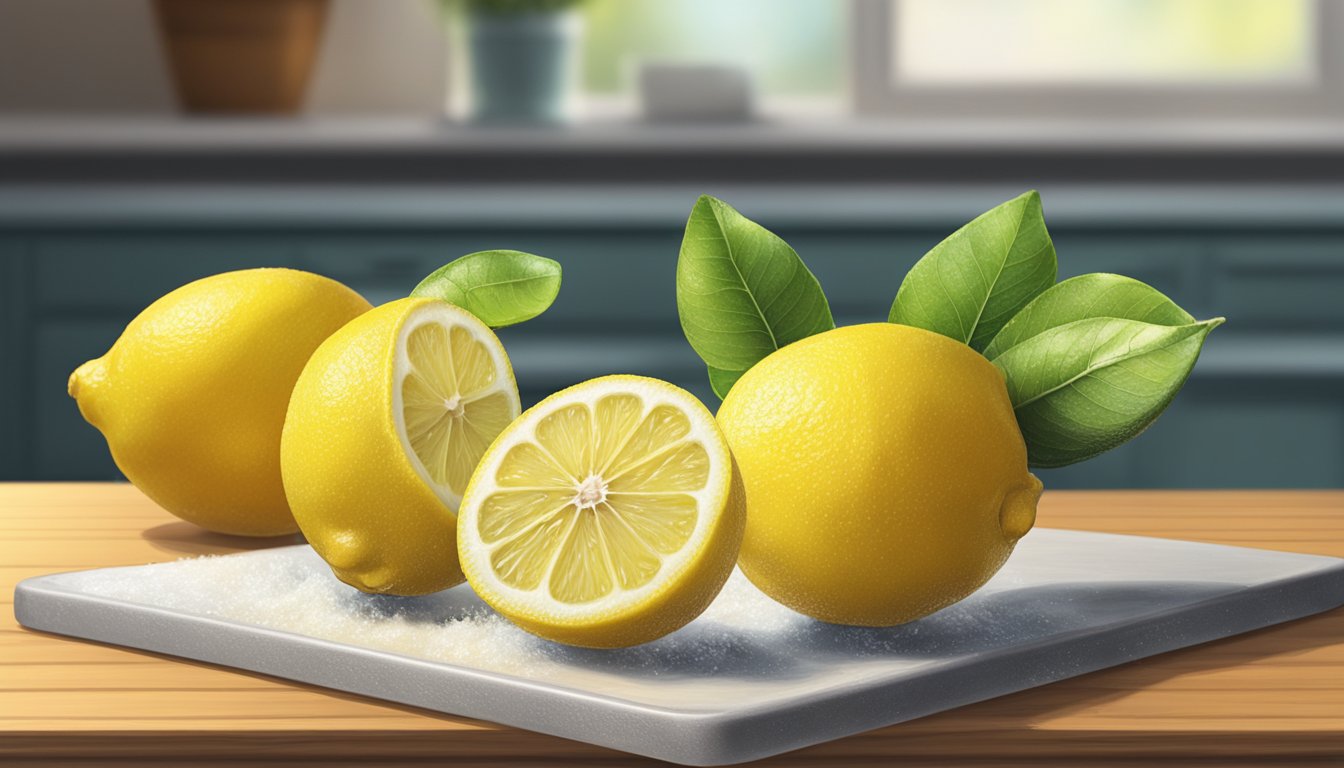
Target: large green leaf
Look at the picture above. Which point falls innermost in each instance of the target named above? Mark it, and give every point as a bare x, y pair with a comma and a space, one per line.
742, 292
1084, 387
1079, 298
500, 287
973, 282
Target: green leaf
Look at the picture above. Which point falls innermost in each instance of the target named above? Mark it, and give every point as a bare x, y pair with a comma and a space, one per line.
973, 282
1086, 386
742, 292
721, 381
1085, 296
500, 287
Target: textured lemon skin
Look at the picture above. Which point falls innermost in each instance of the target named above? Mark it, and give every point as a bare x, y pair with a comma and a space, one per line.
673, 606
356, 496
886, 476
191, 398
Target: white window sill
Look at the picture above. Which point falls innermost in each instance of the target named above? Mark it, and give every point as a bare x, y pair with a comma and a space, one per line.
623, 132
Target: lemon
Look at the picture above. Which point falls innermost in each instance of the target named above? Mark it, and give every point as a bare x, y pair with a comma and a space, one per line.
191, 398
608, 515
386, 423
886, 477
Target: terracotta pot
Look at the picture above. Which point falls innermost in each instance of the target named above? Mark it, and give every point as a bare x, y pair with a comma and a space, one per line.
241, 56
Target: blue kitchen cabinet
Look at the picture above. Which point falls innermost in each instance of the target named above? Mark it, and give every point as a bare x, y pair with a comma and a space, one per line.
1291, 282
60, 445
1246, 419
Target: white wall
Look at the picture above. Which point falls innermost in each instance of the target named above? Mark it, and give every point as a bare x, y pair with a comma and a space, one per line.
103, 56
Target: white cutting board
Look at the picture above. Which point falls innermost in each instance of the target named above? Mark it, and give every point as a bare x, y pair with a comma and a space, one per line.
748, 679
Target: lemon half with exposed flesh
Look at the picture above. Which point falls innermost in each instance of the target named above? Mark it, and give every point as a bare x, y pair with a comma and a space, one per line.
606, 516
385, 426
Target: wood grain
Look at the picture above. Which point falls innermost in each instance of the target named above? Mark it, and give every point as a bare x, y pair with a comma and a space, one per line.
1262, 698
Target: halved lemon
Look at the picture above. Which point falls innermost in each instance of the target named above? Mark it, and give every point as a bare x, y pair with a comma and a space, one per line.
608, 515
385, 425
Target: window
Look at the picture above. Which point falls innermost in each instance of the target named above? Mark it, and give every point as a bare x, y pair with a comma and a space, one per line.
1177, 58
794, 49
1102, 41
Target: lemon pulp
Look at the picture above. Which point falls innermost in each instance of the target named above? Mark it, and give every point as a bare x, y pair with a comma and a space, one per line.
453, 402
614, 485
607, 506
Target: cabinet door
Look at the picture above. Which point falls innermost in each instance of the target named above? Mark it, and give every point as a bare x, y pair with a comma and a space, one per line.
1113, 469
380, 266
1227, 433
1288, 282
860, 271
15, 346
1266, 433
1172, 263
120, 274
63, 445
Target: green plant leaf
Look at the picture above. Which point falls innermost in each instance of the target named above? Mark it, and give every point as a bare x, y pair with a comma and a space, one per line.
721, 381
1079, 298
973, 282
742, 292
500, 287
1086, 386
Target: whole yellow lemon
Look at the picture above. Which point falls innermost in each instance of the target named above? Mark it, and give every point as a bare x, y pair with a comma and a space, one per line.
885, 473
386, 424
191, 398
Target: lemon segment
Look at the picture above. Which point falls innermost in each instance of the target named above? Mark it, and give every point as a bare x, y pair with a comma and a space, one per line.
608, 515
384, 428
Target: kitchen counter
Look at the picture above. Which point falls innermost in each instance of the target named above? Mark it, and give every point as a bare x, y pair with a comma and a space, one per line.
1260, 698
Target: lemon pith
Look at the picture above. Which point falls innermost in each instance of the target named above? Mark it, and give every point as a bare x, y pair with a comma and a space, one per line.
886, 477
192, 396
607, 515
385, 425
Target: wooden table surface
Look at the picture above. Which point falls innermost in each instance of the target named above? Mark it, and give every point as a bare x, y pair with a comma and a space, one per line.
1265, 697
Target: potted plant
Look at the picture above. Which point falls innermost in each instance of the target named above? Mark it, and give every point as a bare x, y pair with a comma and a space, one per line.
523, 59
241, 56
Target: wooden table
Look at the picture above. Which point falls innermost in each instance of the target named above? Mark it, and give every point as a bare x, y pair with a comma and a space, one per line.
1265, 697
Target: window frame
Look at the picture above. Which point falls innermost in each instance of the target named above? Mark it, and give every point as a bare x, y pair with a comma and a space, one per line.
875, 91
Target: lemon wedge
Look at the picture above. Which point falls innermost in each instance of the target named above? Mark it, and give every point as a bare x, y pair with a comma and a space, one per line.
608, 515
385, 425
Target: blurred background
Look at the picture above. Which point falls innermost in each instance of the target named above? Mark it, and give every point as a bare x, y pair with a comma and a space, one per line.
1197, 145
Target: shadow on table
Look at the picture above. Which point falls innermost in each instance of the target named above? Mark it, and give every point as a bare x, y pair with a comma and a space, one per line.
183, 538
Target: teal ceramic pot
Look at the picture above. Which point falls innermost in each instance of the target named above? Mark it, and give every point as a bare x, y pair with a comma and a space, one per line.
524, 66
